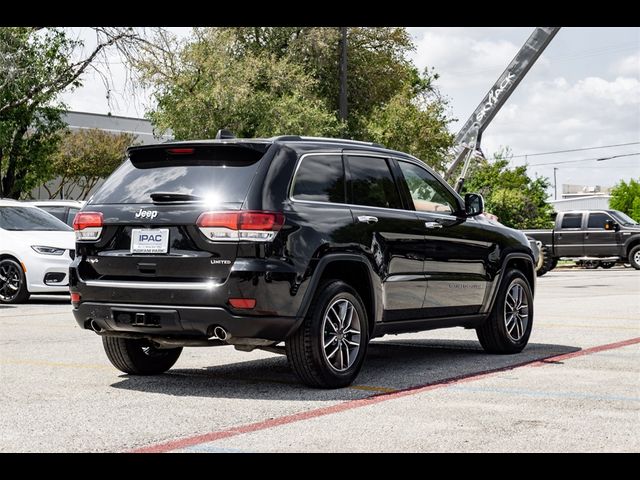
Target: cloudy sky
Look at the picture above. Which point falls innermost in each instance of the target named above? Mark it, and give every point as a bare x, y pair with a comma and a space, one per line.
583, 92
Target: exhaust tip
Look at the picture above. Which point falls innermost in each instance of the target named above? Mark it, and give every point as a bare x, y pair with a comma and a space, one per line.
220, 333
95, 327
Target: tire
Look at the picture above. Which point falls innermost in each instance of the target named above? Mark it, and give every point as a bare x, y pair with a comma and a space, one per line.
591, 264
13, 282
546, 262
607, 264
139, 357
331, 366
634, 257
499, 335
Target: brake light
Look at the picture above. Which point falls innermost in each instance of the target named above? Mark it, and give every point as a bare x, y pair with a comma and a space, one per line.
75, 299
88, 225
250, 225
180, 151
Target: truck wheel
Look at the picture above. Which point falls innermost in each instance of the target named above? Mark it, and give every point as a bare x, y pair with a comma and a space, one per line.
591, 264
328, 349
508, 327
545, 262
607, 264
13, 282
634, 257
139, 357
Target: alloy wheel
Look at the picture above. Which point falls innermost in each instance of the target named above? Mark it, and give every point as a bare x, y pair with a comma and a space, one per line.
341, 334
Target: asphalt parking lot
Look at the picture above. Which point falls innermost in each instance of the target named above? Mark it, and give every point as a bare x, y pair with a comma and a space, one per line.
575, 388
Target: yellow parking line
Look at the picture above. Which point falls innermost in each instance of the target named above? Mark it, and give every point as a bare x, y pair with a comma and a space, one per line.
46, 363
369, 388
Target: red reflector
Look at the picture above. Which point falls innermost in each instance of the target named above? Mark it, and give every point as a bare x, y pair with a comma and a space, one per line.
246, 303
180, 151
75, 297
84, 220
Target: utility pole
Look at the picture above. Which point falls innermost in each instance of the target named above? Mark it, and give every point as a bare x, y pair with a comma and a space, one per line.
555, 184
343, 73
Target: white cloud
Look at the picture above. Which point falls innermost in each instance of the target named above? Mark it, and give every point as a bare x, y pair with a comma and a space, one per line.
628, 66
566, 115
464, 57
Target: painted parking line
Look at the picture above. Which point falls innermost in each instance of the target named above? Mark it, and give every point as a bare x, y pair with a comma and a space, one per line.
366, 401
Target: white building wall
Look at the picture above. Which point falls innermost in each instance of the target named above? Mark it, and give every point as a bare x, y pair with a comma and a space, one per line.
594, 202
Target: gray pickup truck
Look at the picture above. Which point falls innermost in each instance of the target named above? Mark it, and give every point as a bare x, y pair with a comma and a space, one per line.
592, 237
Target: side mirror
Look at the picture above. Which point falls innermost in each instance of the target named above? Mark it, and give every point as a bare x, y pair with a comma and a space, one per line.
611, 225
473, 204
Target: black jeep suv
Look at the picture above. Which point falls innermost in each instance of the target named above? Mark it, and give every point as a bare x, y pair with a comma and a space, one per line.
319, 243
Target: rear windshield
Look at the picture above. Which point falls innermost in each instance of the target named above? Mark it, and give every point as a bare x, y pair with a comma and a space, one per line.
220, 174
31, 219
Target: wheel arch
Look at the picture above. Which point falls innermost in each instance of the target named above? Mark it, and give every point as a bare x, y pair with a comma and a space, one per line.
518, 261
352, 269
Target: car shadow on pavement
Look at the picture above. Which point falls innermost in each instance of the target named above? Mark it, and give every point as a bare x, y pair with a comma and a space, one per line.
390, 365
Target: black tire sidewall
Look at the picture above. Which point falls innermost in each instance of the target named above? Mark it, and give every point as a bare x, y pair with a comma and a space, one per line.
23, 293
498, 311
547, 263
331, 292
632, 253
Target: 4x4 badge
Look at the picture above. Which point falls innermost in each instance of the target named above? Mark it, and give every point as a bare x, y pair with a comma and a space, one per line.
146, 214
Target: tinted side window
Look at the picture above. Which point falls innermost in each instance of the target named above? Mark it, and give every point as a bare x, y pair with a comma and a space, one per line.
596, 220
320, 178
572, 220
30, 218
372, 183
428, 194
58, 212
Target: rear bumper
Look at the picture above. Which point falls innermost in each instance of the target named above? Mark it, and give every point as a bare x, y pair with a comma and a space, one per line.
181, 321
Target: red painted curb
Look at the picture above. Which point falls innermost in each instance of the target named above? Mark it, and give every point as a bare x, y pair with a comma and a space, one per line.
363, 402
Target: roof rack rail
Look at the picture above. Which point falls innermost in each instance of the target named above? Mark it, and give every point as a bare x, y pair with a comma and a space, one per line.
297, 138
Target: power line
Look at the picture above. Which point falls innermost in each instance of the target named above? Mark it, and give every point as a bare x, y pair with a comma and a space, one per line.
584, 159
575, 150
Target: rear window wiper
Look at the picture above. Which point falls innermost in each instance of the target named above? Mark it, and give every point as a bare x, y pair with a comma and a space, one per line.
167, 197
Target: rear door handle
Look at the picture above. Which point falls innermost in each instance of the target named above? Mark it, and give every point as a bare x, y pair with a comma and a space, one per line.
367, 219
432, 225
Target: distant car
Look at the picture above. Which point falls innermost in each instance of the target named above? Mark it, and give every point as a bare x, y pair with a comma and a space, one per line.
594, 238
64, 210
35, 252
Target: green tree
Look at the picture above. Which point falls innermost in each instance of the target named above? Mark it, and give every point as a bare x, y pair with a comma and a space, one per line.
509, 193
626, 198
83, 158
284, 80
36, 65
206, 87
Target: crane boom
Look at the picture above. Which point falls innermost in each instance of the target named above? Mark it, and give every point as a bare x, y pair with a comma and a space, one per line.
468, 138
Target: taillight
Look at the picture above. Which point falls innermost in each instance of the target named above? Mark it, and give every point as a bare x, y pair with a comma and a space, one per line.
250, 225
88, 225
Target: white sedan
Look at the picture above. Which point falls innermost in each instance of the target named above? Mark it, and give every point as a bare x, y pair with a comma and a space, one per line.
35, 252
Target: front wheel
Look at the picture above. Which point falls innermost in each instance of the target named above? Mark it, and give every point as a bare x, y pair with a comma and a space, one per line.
546, 262
634, 257
607, 264
508, 327
138, 356
328, 349
13, 282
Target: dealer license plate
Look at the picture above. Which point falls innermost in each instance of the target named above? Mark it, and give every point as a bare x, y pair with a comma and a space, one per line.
149, 240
